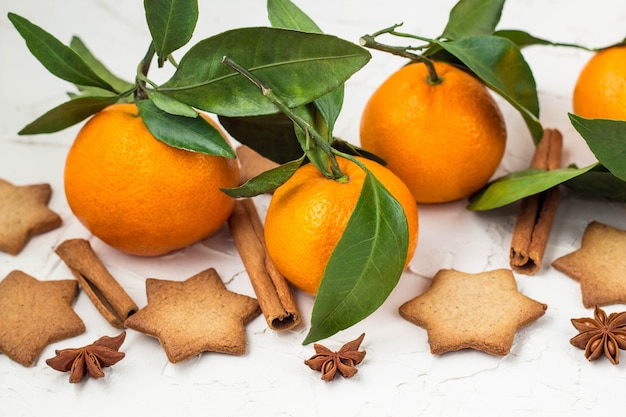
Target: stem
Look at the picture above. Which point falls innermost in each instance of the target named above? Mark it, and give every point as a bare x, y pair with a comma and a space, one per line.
369, 41
142, 73
335, 172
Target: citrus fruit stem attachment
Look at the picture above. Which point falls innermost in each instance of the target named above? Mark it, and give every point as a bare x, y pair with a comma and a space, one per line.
142, 73
369, 41
322, 145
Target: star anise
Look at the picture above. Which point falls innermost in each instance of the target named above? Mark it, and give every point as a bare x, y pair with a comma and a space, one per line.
602, 334
343, 361
89, 359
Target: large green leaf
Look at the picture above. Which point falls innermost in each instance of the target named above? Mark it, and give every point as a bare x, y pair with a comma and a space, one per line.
284, 14
500, 64
599, 182
607, 141
521, 184
271, 135
300, 66
171, 24
472, 18
68, 114
365, 265
98, 67
193, 134
59, 59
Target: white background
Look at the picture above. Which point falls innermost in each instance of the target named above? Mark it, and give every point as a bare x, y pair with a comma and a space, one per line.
542, 375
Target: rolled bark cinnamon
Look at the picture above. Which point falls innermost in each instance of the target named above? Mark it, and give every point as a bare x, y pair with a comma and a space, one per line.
536, 213
271, 288
103, 290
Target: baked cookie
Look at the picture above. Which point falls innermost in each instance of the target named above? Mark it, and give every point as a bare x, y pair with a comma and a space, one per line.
476, 311
24, 213
34, 314
194, 316
599, 265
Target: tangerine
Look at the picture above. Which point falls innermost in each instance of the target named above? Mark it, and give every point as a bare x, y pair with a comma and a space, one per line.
600, 91
308, 215
444, 140
140, 195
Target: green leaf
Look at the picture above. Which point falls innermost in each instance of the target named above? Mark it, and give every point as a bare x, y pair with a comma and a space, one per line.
68, 114
98, 67
284, 14
365, 265
607, 141
265, 182
59, 59
521, 184
172, 106
181, 132
523, 39
271, 135
171, 24
599, 182
317, 156
500, 64
350, 149
472, 18
301, 66
329, 107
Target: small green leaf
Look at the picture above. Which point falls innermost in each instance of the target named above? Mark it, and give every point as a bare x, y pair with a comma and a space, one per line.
181, 132
523, 39
98, 67
500, 64
172, 106
284, 14
365, 265
599, 182
317, 156
171, 24
607, 141
472, 18
350, 149
301, 66
271, 135
329, 106
68, 114
521, 184
265, 182
59, 59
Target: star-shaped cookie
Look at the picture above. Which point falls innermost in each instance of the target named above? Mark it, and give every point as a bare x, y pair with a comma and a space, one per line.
35, 313
194, 316
24, 213
477, 311
599, 265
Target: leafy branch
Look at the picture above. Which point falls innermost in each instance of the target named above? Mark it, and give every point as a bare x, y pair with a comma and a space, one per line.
252, 84
470, 40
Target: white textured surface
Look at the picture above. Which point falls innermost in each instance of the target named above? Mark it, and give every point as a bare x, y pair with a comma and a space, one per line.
543, 374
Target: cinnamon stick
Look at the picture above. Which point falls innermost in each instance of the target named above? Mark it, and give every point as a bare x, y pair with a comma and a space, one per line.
271, 288
536, 213
105, 292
